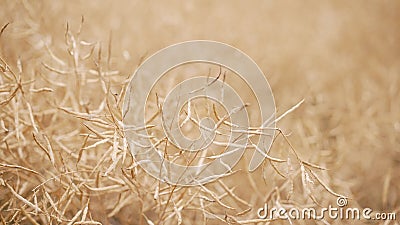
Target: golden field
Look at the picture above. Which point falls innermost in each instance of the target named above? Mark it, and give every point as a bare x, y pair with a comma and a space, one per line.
63, 74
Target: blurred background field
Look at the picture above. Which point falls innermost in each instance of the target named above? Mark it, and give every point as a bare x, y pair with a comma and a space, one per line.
62, 152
